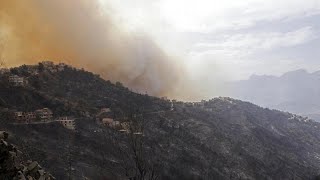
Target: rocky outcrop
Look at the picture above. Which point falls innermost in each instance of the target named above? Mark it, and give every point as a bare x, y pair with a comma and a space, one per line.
4, 135
12, 166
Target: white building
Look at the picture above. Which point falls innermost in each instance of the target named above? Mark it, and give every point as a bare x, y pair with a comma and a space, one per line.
16, 80
111, 123
44, 114
67, 122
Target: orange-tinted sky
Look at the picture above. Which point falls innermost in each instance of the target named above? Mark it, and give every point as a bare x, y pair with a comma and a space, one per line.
79, 33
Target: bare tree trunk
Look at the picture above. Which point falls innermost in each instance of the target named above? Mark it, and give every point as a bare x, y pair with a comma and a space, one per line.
135, 159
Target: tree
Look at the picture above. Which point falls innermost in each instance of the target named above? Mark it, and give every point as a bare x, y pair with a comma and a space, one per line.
138, 159
41, 67
119, 84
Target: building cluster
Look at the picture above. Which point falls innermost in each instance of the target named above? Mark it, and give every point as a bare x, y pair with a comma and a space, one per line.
111, 122
51, 67
44, 115
16, 80
105, 118
67, 122
40, 115
117, 125
34, 70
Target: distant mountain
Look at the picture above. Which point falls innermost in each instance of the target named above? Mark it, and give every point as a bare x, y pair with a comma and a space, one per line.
296, 91
222, 138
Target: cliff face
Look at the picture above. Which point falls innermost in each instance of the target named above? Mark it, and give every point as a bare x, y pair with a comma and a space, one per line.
222, 138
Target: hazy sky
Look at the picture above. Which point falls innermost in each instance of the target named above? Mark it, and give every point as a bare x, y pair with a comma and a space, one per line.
182, 49
229, 39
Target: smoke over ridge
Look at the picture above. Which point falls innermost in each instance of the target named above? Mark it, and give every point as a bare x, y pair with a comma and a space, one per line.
77, 32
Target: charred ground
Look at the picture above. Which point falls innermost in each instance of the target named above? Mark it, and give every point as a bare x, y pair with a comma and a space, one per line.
222, 138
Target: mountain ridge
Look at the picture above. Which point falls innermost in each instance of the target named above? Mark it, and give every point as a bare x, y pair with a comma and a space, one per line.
294, 91
222, 138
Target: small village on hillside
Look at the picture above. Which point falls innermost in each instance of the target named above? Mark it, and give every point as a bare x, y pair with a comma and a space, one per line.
81, 110
38, 116
45, 115
103, 117
41, 116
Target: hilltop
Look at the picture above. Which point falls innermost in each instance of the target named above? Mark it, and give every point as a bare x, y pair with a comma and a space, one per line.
222, 138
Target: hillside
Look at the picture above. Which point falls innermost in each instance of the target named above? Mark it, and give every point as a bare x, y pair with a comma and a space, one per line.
295, 91
12, 165
222, 138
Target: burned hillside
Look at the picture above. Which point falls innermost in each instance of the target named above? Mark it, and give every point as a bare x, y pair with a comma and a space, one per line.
221, 138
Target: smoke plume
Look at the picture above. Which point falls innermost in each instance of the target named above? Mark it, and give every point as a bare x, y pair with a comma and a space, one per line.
78, 33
